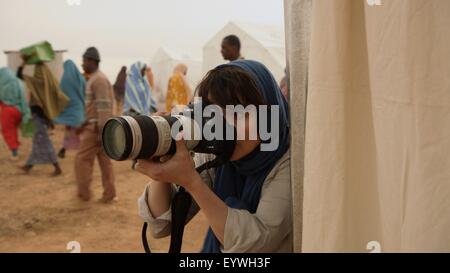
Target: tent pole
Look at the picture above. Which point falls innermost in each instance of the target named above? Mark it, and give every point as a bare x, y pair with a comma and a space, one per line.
297, 24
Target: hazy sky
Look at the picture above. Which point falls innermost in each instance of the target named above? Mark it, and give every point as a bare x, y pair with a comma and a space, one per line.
125, 30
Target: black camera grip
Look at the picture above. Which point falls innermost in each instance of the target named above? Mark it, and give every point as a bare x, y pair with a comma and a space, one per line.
181, 204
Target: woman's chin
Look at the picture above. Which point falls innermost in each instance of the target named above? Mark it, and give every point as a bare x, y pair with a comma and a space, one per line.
233, 158
244, 148
237, 154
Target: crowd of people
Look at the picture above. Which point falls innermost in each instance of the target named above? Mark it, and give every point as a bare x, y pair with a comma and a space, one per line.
84, 101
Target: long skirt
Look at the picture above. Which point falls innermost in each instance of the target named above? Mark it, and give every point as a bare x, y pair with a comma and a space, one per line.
42, 151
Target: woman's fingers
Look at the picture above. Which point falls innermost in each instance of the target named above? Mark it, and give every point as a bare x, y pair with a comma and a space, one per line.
147, 167
161, 113
165, 158
180, 145
178, 169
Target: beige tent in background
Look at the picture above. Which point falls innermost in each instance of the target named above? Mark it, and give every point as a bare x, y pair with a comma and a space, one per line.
370, 104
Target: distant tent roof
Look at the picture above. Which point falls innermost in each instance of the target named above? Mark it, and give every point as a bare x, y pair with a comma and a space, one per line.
165, 53
259, 42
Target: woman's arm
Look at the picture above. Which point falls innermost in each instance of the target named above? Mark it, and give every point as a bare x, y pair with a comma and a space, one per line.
21, 67
159, 196
269, 229
215, 210
20, 72
180, 170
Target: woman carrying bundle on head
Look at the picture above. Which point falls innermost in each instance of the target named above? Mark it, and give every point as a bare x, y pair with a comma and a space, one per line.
47, 101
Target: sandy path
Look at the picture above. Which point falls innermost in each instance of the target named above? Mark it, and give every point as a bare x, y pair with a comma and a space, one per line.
39, 213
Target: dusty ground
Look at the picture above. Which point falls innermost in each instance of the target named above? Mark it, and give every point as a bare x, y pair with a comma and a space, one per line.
39, 213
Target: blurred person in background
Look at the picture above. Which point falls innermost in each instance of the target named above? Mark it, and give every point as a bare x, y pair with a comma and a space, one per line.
73, 85
14, 109
99, 102
179, 91
138, 93
231, 48
119, 88
47, 101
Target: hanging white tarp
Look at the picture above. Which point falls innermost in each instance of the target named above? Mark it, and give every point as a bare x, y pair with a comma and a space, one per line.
377, 131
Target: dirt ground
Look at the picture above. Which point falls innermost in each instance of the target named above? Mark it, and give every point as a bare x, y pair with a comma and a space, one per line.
39, 213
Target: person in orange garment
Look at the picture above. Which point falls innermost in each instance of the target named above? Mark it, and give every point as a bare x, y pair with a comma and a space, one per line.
178, 92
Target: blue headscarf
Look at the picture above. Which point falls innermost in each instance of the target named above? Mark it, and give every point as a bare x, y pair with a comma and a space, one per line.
73, 85
12, 93
239, 183
138, 94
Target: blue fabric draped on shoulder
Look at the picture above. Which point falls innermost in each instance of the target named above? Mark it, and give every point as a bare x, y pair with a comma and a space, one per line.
73, 85
239, 183
138, 94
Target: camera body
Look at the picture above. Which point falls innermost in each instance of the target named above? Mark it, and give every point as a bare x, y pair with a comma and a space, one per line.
144, 137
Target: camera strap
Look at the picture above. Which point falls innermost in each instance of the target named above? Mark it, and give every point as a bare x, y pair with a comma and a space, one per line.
181, 203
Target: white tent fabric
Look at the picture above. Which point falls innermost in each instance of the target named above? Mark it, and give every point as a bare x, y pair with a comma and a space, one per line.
377, 130
261, 43
163, 63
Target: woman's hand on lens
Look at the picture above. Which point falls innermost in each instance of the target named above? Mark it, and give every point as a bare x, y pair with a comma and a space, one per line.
179, 169
161, 113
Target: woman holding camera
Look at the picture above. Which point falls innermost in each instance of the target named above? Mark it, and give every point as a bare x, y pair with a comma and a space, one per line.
246, 201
